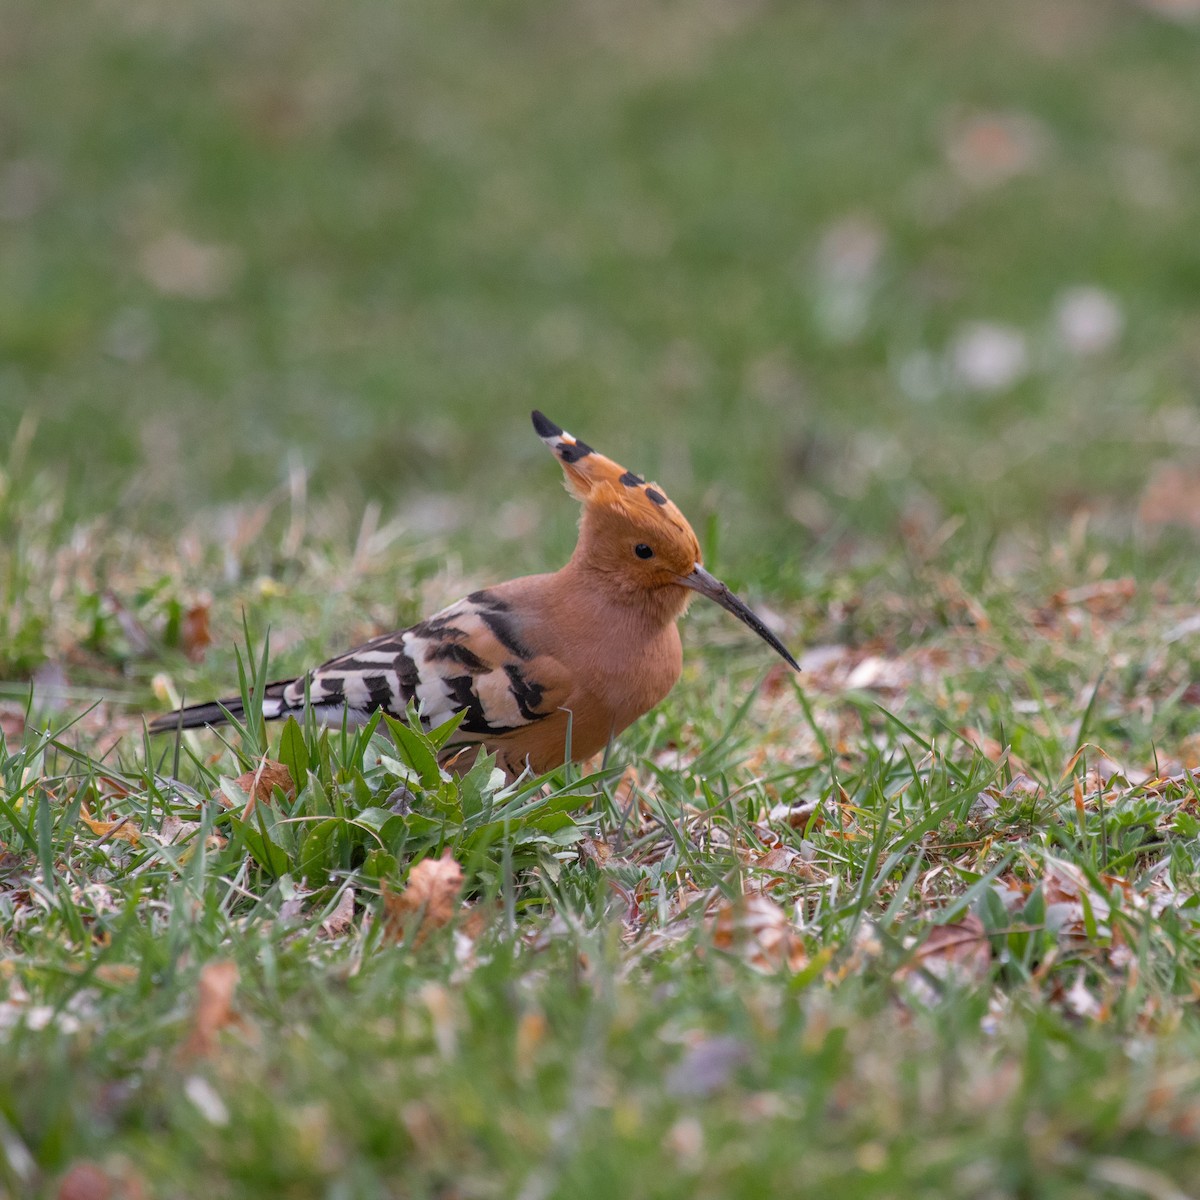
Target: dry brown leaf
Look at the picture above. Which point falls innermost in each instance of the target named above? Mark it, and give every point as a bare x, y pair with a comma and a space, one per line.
1189, 752
964, 944
1066, 889
12, 724
260, 784
988, 148
591, 850
630, 792
176, 264
117, 974
122, 830
1172, 497
757, 930
86, 1180
797, 815
984, 743
429, 900
195, 636
531, 1032
1104, 598
214, 1007
770, 870
473, 922
957, 953
342, 916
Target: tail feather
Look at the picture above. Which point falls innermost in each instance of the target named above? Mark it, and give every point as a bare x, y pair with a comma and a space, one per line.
198, 716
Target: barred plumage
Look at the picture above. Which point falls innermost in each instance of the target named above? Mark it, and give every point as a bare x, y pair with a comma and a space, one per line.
546, 667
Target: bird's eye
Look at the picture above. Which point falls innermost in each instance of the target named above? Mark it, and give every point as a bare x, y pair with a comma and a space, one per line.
643, 551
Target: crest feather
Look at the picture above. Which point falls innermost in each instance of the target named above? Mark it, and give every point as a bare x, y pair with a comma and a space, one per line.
594, 479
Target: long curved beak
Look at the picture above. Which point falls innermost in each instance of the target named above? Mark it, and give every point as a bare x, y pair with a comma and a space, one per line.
709, 585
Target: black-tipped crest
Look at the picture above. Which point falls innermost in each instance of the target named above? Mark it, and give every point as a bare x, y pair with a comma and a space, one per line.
545, 427
568, 448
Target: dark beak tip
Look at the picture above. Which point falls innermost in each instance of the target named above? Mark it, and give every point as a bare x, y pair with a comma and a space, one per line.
707, 585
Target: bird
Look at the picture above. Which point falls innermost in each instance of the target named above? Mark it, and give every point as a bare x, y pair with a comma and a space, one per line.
543, 669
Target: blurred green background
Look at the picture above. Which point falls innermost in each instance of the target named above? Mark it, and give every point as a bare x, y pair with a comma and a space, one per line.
818, 267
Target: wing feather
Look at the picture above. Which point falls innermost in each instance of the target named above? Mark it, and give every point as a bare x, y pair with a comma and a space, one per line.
472, 657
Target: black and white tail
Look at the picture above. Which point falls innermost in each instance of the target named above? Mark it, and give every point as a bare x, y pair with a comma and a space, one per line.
199, 716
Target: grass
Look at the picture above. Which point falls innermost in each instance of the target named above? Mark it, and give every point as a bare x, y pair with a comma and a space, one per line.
922, 922
340, 237
919, 922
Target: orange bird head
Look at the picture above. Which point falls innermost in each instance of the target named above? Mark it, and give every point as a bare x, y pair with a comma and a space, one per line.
633, 535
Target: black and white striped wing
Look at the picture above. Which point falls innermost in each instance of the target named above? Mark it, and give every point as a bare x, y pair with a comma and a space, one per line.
467, 658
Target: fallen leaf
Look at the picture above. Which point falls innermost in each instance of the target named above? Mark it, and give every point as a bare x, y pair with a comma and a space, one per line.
630, 794
117, 974
1172, 497
796, 815
985, 149
876, 673
757, 930
342, 916
1105, 598
86, 1180
260, 784
1083, 1003
531, 1032
12, 724
429, 900
178, 265
591, 850
984, 743
214, 1007
962, 943
122, 830
771, 870
986, 356
195, 636
957, 953
1088, 320
1069, 896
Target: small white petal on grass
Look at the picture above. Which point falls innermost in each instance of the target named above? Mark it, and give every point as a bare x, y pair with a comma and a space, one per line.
208, 1103
989, 357
849, 256
41, 1016
1082, 1002
1088, 320
178, 265
1174, 10
850, 250
1137, 1178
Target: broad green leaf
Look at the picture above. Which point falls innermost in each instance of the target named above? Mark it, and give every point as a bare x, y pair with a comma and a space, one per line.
293, 752
416, 750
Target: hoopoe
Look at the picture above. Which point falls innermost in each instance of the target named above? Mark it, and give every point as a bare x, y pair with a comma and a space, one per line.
546, 668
